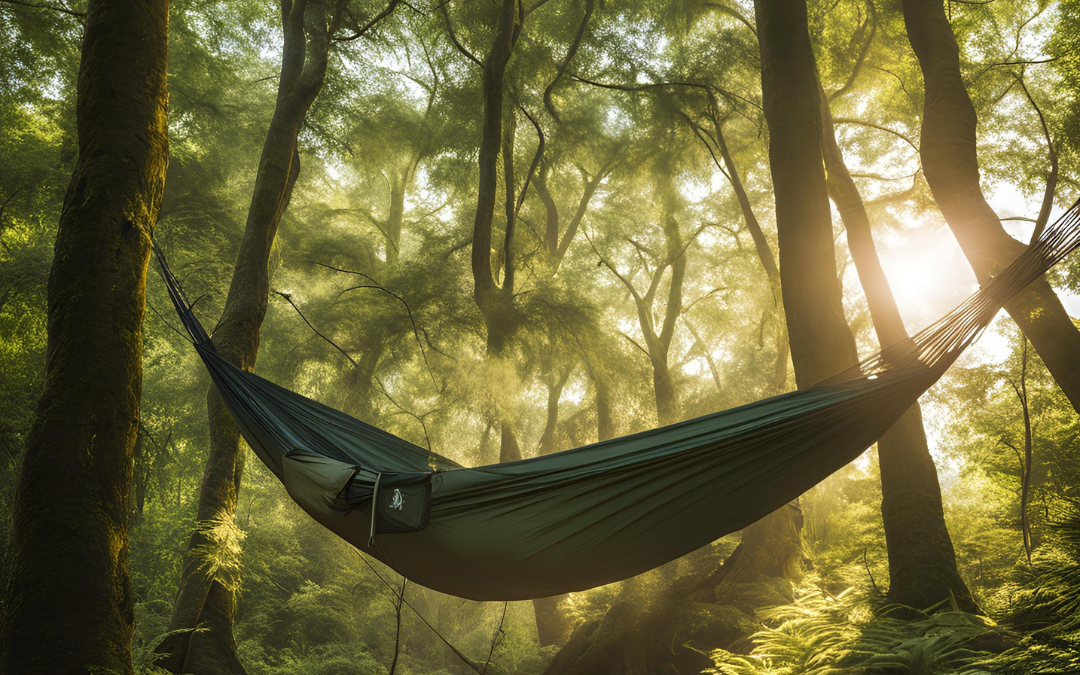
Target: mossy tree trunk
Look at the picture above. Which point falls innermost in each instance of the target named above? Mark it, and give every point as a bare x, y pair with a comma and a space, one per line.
949, 157
922, 561
69, 603
204, 608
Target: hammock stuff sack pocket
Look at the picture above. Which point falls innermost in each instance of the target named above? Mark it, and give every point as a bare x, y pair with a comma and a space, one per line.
402, 501
394, 502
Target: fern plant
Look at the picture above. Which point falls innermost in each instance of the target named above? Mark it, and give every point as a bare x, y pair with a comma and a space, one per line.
825, 634
1051, 595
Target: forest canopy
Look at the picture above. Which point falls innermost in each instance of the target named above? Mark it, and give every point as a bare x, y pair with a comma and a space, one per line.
504, 229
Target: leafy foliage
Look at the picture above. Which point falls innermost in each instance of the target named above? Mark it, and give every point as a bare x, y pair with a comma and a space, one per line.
846, 634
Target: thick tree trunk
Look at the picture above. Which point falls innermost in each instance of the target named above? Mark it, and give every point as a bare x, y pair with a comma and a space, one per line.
821, 341
948, 151
206, 600
69, 603
922, 561
485, 290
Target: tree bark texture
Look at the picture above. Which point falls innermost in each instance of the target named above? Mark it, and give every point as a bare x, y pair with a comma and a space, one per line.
950, 162
69, 603
205, 601
821, 341
922, 561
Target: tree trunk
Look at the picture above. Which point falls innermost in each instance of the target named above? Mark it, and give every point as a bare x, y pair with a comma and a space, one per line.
396, 218
555, 245
485, 290
551, 211
605, 422
496, 304
821, 341
552, 626
663, 390
659, 343
922, 561
548, 440
359, 380
206, 600
69, 603
948, 151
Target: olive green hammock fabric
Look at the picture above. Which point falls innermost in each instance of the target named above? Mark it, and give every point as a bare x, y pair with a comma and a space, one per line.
577, 519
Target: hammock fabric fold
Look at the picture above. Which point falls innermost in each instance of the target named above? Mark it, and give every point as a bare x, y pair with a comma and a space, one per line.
600, 513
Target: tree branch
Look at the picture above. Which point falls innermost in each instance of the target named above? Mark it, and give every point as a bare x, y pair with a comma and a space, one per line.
569, 57
453, 37
1052, 175
370, 24
377, 286
55, 8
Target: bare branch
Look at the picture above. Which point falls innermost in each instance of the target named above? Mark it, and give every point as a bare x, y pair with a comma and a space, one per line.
347, 355
535, 161
634, 342
377, 286
569, 57
370, 24
879, 127
1052, 175
454, 39
382, 388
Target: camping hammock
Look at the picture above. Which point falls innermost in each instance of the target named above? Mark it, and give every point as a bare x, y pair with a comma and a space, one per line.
600, 513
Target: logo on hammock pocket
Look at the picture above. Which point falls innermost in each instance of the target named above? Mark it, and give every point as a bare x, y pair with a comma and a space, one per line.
397, 501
